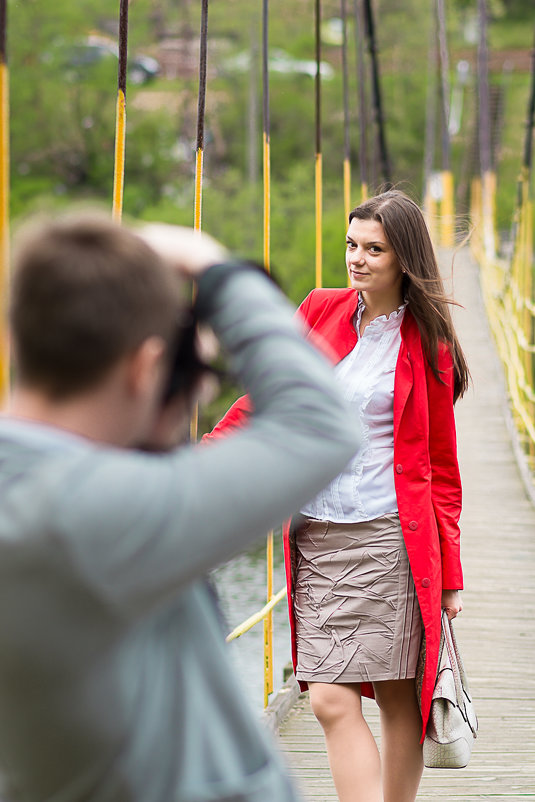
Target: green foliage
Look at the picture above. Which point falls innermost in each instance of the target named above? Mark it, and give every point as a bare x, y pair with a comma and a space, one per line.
63, 117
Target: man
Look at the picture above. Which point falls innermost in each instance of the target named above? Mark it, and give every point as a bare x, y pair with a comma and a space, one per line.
114, 682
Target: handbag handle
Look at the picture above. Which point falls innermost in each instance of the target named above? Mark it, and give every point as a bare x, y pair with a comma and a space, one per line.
456, 663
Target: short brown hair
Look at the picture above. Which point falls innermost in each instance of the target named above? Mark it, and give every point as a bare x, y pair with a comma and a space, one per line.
85, 293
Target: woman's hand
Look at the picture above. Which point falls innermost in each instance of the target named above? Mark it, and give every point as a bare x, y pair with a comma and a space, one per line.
452, 603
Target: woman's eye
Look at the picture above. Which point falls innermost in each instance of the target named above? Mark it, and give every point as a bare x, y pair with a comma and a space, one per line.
375, 249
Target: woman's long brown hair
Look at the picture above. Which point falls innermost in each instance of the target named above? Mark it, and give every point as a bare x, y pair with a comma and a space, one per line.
405, 229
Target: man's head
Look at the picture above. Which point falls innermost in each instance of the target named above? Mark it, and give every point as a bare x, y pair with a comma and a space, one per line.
87, 295
86, 292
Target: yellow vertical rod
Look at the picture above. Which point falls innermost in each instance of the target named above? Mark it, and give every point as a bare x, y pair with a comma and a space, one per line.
268, 620
447, 228
268, 624
120, 149
363, 191
267, 202
201, 111
430, 212
319, 221
318, 170
527, 299
120, 115
488, 188
199, 158
4, 219
197, 217
475, 216
266, 161
197, 210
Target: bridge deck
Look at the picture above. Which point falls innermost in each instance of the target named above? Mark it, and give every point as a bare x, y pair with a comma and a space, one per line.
496, 630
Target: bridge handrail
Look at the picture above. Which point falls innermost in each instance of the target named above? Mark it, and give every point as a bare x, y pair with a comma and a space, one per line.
508, 296
255, 618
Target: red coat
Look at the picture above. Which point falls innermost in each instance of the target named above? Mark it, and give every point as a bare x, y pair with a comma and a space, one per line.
426, 472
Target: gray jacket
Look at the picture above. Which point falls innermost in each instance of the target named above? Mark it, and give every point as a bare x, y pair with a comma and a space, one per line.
114, 679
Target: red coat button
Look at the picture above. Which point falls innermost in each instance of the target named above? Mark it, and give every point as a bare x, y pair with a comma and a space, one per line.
413, 525
399, 468
426, 582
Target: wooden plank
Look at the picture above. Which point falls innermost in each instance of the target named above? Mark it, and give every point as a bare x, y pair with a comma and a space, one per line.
496, 630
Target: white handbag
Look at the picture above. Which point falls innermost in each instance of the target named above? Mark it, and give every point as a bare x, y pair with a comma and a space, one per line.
452, 724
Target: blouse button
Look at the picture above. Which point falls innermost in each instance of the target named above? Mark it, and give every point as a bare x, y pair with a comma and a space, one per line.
399, 468
426, 582
413, 525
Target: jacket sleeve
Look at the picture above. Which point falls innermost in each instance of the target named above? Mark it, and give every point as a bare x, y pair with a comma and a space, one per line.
235, 417
446, 491
162, 521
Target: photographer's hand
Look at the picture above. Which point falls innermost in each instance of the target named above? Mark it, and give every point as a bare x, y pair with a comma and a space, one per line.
189, 252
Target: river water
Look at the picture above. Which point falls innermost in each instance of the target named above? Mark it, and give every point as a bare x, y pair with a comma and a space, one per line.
241, 585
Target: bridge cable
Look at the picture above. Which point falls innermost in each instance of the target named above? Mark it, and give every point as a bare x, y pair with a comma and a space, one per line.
485, 147
447, 211
345, 90
266, 135
430, 209
199, 157
120, 114
4, 199
201, 112
318, 170
376, 94
358, 9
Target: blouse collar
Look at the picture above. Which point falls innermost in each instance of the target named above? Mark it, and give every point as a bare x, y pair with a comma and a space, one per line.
382, 322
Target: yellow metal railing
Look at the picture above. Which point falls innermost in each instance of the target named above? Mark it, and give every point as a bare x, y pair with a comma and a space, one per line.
507, 286
265, 615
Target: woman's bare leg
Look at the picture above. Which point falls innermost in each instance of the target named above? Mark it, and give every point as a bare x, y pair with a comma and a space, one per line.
353, 755
401, 727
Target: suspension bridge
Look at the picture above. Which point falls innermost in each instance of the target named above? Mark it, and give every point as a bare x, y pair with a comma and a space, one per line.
496, 422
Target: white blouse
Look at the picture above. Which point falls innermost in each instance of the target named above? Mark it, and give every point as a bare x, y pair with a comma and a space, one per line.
365, 488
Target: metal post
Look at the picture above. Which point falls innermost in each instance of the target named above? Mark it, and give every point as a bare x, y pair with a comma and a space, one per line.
201, 109
318, 166
485, 151
120, 114
4, 203
430, 128
199, 156
268, 620
447, 210
525, 246
345, 90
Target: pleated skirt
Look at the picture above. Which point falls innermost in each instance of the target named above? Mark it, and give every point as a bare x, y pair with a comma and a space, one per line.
356, 610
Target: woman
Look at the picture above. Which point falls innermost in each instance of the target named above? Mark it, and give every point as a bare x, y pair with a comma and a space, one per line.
375, 556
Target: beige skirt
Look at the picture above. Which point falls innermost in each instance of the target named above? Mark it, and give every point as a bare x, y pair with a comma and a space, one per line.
356, 611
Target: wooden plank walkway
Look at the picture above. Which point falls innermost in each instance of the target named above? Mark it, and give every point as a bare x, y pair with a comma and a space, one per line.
496, 631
